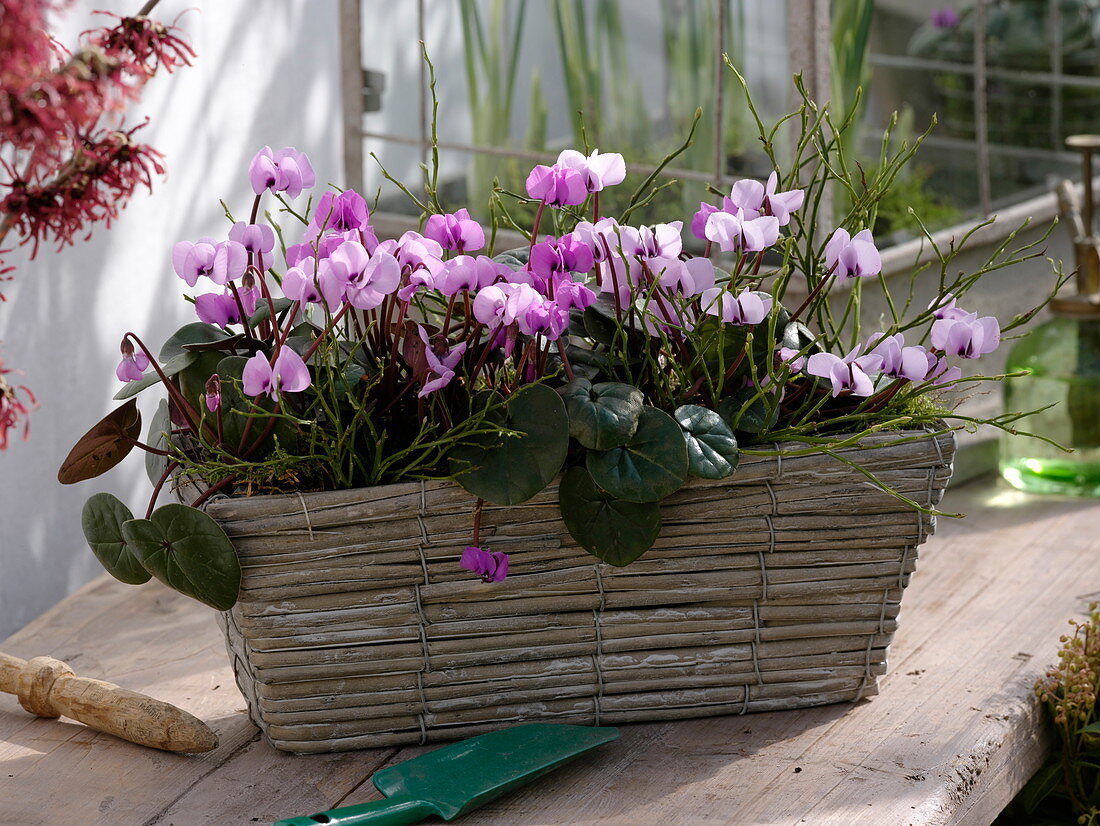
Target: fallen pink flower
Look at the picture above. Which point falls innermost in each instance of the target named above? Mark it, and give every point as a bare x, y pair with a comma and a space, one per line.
491, 566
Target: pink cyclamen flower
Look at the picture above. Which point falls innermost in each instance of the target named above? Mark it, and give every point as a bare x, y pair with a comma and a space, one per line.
690, 277
313, 283
491, 566
606, 234
339, 212
133, 365
213, 393
939, 372
457, 232
370, 278
737, 232
219, 309
781, 204
853, 256
499, 305
556, 186
848, 375
945, 307
286, 170
791, 357
441, 366
969, 337
288, 374
899, 360
598, 171
555, 257
945, 18
570, 294
221, 262
258, 239
746, 308
659, 241
699, 220
547, 318
465, 272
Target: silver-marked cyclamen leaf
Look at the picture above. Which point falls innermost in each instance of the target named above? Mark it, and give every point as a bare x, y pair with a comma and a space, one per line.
650, 466
102, 519
610, 529
711, 445
604, 415
187, 551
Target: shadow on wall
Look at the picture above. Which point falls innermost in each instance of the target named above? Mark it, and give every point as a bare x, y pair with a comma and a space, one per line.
259, 79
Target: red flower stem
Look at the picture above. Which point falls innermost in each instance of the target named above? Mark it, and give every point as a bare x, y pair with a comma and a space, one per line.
814, 293
477, 521
271, 421
317, 342
398, 330
565, 361
289, 324
185, 407
595, 207
240, 309
535, 229
215, 488
157, 488
707, 249
450, 311
149, 448
485, 353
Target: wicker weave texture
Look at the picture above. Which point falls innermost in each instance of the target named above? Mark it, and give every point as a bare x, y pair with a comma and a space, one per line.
776, 588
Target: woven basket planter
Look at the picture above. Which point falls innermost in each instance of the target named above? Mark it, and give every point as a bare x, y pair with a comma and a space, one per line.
776, 588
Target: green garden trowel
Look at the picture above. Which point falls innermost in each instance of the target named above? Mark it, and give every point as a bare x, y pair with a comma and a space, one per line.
458, 778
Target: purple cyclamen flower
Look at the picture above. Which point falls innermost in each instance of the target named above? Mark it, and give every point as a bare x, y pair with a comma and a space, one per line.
370, 278
547, 318
339, 212
969, 337
945, 18
746, 195
781, 204
900, 361
570, 294
466, 272
221, 262
288, 374
598, 171
255, 238
287, 170
440, 366
746, 308
552, 257
853, 256
457, 232
849, 375
691, 277
659, 241
944, 307
604, 235
221, 310
699, 220
556, 186
133, 365
313, 283
491, 566
501, 304
736, 232
791, 357
939, 372
213, 393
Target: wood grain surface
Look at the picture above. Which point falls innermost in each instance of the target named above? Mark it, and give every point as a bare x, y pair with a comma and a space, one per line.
952, 735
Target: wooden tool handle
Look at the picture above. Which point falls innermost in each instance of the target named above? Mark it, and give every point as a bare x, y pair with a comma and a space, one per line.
49, 688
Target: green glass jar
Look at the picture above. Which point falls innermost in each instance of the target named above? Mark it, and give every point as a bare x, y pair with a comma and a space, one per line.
1062, 357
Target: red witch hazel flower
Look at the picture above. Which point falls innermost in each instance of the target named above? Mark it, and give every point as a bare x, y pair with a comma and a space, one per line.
16, 402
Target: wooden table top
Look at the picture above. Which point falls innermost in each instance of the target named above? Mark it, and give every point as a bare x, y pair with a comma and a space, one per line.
953, 734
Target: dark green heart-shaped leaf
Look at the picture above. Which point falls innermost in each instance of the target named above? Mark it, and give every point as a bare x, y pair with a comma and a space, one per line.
649, 467
187, 551
753, 419
169, 368
263, 311
507, 470
711, 445
612, 530
514, 258
159, 428
602, 416
721, 345
102, 447
238, 341
197, 332
102, 520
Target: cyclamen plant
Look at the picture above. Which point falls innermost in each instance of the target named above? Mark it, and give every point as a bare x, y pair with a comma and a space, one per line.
602, 354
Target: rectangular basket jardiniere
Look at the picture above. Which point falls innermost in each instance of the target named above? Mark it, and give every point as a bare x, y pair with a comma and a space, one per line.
776, 588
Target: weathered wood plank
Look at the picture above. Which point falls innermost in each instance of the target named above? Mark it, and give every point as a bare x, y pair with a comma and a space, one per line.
952, 735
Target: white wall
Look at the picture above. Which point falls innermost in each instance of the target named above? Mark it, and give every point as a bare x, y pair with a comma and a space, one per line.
266, 73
